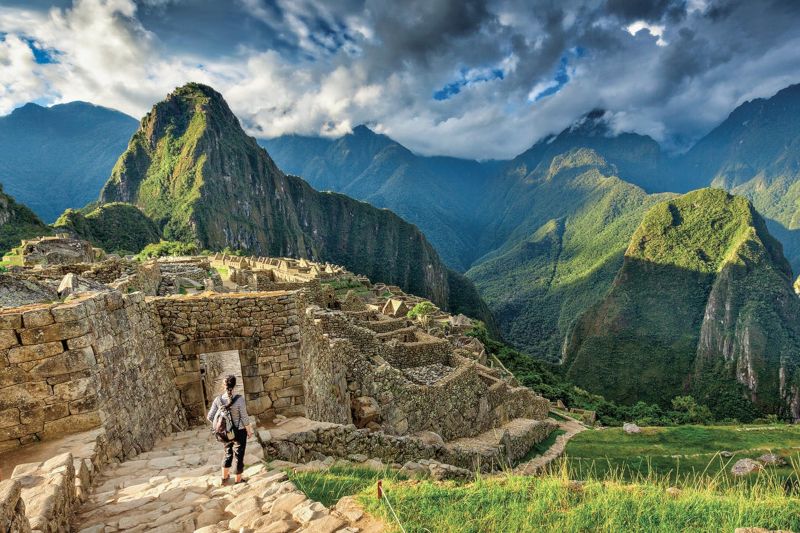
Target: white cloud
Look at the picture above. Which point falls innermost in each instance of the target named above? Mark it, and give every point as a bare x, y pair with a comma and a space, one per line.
366, 67
656, 30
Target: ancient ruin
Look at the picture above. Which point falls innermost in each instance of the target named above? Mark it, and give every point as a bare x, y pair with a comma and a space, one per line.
113, 376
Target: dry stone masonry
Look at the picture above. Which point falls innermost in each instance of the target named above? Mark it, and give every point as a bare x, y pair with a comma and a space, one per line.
127, 359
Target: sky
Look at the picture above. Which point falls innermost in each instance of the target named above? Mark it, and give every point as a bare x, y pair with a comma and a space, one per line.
468, 78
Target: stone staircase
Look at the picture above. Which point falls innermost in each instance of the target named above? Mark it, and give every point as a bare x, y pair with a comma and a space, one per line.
500, 447
176, 488
54, 477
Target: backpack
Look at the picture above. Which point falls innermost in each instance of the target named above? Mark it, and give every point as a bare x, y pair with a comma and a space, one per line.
222, 427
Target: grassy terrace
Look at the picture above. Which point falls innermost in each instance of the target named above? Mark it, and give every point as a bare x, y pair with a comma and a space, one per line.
554, 503
682, 453
623, 486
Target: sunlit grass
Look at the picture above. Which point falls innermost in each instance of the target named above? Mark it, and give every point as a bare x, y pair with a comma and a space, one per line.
611, 503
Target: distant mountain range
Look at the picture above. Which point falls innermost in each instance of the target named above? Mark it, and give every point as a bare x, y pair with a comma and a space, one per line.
53, 158
543, 236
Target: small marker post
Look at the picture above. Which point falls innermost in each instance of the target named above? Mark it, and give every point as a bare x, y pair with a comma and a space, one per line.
380, 489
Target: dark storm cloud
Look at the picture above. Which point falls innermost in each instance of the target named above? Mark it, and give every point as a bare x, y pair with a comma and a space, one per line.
651, 11
481, 78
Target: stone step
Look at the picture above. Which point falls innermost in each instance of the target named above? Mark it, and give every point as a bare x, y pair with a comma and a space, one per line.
502, 445
169, 491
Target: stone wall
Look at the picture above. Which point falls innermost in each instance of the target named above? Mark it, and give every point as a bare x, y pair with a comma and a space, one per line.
12, 508
97, 360
461, 404
346, 440
324, 364
263, 327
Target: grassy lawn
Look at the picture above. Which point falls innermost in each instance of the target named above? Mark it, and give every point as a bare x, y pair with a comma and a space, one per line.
682, 452
624, 487
341, 286
223, 272
551, 503
329, 486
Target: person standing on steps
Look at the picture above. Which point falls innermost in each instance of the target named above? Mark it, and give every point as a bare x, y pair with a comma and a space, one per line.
241, 428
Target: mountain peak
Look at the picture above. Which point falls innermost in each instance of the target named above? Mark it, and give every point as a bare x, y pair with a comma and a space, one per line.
362, 130
592, 124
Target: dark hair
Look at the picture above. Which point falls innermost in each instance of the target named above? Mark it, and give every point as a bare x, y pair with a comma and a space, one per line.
230, 383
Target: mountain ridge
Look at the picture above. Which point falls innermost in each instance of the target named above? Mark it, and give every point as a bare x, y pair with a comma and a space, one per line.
191, 168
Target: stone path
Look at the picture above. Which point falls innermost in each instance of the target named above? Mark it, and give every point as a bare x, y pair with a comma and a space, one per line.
539, 463
176, 488
230, 365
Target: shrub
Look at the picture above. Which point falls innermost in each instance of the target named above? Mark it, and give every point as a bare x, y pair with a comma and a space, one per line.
168, 248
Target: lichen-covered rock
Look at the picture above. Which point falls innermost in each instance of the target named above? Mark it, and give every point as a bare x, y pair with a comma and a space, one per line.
631, 428
16, 292
746, 466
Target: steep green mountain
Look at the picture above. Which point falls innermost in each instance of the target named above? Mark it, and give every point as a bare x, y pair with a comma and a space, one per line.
192, 169
115, 227
755, 152
703, 304
441, 195
54, 158
17, 222
566, 224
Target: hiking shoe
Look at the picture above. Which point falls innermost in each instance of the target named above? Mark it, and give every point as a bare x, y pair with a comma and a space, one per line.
243, 480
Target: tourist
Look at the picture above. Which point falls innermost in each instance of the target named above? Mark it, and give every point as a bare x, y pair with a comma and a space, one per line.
241, 428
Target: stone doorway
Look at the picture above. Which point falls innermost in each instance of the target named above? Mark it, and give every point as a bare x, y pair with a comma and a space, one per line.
214, 368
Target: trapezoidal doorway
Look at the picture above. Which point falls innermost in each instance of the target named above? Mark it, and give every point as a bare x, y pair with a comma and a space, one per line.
214, 368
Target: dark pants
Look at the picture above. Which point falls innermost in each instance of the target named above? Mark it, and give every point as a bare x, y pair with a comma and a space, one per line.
236, 447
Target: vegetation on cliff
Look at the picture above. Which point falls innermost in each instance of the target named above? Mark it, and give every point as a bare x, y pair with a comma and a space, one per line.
115, 227
17, 222
703, 304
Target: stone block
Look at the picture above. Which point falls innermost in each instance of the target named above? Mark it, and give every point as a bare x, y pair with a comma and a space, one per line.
290, 391
75, 389
55, 332
24, 393
10, 320
8, 338
9, 417
69, 312
65, 363
253, 384
83, 405
274, 383
258, 405
72, 424
36, 318
84, 341
34, 352
56, 411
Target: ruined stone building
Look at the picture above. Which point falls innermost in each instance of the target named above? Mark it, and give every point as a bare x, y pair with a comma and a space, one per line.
131, 356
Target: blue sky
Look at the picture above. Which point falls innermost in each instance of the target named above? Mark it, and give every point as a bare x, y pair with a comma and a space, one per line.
472, 78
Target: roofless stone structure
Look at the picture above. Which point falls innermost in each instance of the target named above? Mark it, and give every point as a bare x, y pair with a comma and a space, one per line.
127, 369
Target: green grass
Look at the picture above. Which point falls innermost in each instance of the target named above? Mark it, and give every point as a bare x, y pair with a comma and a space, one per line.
329, 486
223, 271
552, 503
543, 446
683, 453
631, 496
